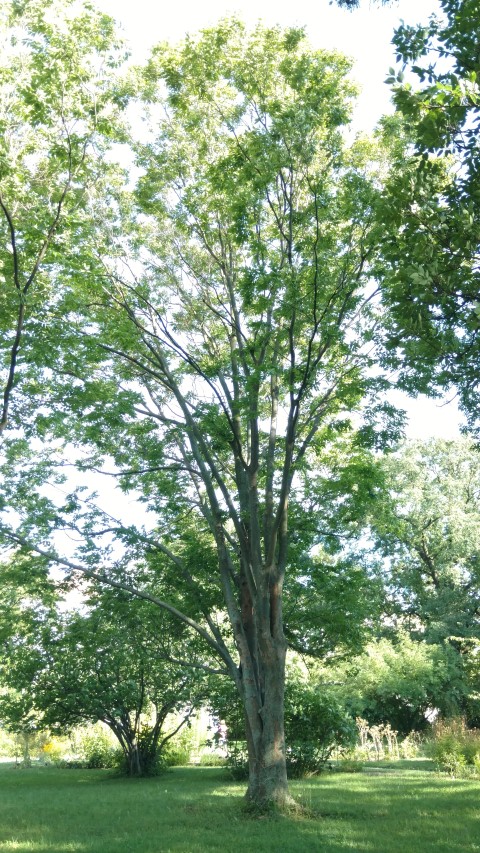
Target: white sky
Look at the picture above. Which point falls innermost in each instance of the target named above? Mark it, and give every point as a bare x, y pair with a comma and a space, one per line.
364, 34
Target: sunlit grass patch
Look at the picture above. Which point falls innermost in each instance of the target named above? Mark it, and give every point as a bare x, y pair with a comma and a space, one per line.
195, 810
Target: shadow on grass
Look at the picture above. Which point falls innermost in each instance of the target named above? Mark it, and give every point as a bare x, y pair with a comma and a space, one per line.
194, 810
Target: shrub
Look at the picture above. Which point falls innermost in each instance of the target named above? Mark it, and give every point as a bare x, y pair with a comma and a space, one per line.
93, 748
211, 759
305, 758
98, 751
316, 726
237, 759
7, 746
56, 750
348, 765
177, 751
410, 746
454, 747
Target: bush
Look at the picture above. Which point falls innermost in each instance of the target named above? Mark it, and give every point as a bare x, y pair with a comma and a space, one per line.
316, 726
56, 750
7, 745
92, 748
237, 760
178, 750
211, 759
348, 765
305, 758
411, 745
98, 751
454, 747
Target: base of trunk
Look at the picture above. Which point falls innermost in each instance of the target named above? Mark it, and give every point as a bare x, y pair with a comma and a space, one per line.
275, 804
268, 791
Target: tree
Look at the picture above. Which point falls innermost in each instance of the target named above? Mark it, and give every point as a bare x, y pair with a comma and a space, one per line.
316, 723
425, 528
27, 599
115, 665
398, 680
209, 369
57, 109
114, 662
431, 279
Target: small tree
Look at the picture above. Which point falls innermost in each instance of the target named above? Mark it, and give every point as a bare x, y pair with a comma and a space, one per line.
112, 665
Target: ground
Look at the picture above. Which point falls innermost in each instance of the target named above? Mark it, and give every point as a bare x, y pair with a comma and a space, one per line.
388, 808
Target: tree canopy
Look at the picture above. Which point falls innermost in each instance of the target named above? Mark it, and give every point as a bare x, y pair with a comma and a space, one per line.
431, 281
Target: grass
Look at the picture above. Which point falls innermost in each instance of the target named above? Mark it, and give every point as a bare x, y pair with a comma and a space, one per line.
388, 808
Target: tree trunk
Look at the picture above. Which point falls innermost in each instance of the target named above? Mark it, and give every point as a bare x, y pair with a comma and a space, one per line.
267, 772
27, 760
134, 761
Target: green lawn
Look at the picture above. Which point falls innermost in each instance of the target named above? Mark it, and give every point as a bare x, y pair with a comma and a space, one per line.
401, 808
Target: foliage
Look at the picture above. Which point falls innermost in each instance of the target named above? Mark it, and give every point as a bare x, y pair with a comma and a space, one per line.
89, 747
6, 743
24, 744
454, 747
96, 749
431, 279
316, 725
396, 682
411, 745
377, 742
425, 526
110, 663
337, 597
178, 751
58, 106
348, 765
27, 598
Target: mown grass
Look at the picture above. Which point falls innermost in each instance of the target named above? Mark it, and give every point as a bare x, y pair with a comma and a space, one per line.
400, 808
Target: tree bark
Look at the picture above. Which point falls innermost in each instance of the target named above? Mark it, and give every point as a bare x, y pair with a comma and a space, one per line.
264, 722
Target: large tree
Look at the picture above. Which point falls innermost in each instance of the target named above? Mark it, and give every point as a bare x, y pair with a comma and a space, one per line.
426, 525
58, 106
223, 341
431, 279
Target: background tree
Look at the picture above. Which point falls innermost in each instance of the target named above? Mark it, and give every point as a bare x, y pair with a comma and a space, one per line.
426, 525
204, 371
115, 663
58, 108
431, 282
27, 599
398, 680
